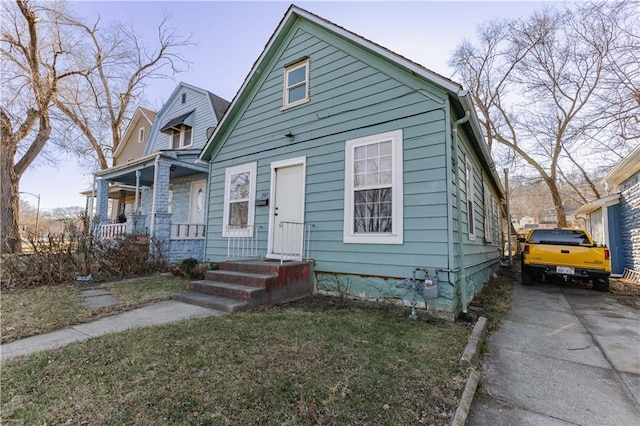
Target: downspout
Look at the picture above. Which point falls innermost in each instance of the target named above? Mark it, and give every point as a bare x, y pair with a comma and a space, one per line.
463, 275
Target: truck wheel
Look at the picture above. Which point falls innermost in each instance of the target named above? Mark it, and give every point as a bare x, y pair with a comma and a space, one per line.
526, 277
601, 284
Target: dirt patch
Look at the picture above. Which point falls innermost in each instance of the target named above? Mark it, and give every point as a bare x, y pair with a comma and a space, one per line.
625, 292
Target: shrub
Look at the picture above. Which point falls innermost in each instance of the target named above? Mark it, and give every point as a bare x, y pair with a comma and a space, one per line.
75, 252
188, 267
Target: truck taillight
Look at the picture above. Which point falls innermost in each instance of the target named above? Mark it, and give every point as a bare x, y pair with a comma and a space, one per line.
526, 249
606, 254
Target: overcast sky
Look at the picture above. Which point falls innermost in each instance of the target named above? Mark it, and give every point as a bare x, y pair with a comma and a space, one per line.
229, 36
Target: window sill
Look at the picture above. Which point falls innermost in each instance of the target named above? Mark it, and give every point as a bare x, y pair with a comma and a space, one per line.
295, 104
373, 239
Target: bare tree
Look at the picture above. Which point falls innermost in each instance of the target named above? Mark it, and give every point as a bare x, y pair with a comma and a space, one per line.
83, 78
33, 67
99, 104
539, 84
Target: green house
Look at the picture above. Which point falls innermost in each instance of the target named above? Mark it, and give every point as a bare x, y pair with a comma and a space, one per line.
340, 151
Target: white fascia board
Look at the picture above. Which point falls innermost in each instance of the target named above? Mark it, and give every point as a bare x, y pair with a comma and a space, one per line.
626, 168
596, 204
142, 161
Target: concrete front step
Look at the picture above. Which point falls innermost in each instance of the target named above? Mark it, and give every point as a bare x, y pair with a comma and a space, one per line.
241, 277
246, 293
211, 301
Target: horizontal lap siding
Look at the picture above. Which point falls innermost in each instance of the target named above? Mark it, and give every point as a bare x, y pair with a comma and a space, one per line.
349, 99
203, 119
478, 254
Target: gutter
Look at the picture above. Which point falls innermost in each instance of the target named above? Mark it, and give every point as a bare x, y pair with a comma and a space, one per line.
463, 274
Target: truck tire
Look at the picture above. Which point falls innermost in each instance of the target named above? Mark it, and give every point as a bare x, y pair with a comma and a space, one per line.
527, 279
601, 284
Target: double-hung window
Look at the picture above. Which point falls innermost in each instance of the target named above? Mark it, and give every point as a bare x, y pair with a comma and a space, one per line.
239, 200
181, 138
296, 84
373, 189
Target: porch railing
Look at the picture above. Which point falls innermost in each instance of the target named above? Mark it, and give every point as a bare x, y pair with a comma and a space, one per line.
188, 231
294, 241
242, 242
113, 230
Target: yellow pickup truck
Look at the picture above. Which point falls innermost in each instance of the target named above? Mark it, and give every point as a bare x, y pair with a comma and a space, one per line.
567, 254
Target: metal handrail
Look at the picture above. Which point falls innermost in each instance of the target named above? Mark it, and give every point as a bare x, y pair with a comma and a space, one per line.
295, 240
241, 241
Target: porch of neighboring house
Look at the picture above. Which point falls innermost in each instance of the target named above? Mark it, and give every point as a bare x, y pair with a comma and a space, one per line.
166, 202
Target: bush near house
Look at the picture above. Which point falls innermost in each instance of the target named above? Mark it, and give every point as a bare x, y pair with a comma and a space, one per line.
61, 258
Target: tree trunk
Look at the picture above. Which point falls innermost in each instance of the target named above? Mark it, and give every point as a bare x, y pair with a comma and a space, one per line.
9, 200
561, 216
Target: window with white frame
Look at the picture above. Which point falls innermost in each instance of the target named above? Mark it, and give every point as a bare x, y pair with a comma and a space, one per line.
181, 138
373, 210
470, 202
239, 200
296, 84
488, 215
140, 134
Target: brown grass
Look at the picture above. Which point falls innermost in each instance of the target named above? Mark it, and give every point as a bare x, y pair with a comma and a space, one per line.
361, 365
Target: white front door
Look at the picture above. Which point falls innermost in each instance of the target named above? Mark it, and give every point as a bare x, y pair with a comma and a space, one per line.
287, 205
196, 205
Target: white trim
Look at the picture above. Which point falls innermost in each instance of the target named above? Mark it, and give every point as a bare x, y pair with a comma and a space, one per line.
471, 192
141, 131
181, 144
489, 214
286, 87
397, 224
272, 190
252, 168
204, 199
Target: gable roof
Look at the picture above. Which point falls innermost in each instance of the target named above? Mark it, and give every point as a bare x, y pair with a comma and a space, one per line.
145, 113
293, 14
218, 107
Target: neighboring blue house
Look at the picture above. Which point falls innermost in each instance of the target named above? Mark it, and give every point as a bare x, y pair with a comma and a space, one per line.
614, 220
168, 181
338, 150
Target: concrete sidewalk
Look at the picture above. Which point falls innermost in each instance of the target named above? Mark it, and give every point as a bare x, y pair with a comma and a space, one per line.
160, 313
563, 355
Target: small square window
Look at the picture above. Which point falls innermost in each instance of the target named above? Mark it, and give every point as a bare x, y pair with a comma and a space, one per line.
296, 84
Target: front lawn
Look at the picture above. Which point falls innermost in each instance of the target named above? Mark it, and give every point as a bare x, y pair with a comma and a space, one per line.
300, 363
43, 309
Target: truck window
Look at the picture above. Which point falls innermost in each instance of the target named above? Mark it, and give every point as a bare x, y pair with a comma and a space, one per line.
559, 236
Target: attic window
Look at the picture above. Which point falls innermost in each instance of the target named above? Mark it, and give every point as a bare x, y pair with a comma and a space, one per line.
296, 84
140, 134
184, 98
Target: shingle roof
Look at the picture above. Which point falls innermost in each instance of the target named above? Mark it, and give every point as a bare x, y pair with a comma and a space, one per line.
219, 105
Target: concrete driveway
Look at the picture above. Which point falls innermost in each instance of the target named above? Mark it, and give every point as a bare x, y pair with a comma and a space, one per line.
563, 355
